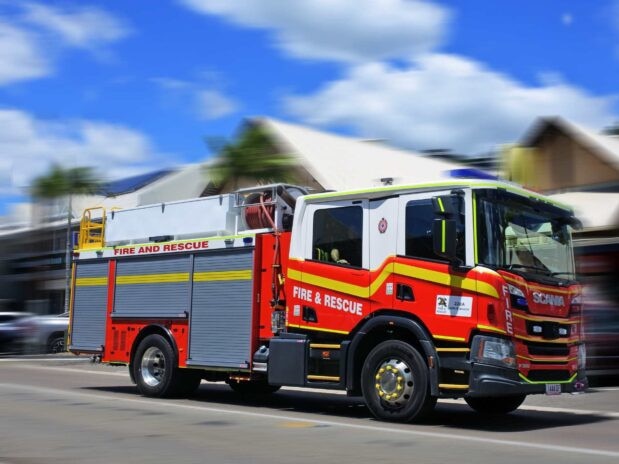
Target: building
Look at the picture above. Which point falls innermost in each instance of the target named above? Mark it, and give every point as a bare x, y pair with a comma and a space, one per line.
32, 267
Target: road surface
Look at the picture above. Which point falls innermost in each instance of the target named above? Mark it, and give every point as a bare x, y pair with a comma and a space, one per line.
60, 409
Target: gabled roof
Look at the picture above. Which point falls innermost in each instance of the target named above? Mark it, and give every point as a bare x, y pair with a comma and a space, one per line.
340, 163
596, 210
604, 146
132, 184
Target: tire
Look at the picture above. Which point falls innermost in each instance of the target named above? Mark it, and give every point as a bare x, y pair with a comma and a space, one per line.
253, 388
155, 368
395, 383
495, 405
189, 381
56, 344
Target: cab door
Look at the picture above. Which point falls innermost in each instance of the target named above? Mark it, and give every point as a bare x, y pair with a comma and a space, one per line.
383, 233
333, 292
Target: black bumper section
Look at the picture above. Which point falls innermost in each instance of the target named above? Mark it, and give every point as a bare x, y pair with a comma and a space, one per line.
487, 380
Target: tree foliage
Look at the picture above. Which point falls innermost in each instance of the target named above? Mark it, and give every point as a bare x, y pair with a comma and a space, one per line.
60, 182
253, 157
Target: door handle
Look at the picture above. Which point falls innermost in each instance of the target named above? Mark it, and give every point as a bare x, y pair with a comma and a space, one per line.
309, 314
404, 292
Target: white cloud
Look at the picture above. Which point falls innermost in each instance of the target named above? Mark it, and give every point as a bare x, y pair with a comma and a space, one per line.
341, 30
84, 27
30, 145
444, 101
33, 35
214, 105
20, 55
202, 96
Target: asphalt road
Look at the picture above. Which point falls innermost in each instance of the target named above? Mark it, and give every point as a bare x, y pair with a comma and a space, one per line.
66, 410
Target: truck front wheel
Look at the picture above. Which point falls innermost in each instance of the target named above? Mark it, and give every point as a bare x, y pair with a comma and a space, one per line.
495, 404
154, 368
395, 382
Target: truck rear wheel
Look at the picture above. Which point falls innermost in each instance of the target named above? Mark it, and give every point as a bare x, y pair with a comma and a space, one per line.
395, 382
154, 368
495, 404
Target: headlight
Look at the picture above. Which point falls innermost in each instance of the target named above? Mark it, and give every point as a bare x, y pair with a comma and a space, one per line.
493, 350
514, 290
582, 357
517, 298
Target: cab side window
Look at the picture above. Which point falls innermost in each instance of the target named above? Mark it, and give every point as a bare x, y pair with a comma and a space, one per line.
419, 219
337, 235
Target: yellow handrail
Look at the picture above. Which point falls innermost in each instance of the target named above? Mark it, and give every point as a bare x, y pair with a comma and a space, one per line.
92, 231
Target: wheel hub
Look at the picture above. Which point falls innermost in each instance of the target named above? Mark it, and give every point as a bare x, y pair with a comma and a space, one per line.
153, 366
394, 382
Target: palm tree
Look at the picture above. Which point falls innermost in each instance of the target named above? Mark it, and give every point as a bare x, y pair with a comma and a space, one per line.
60, 182
253, 157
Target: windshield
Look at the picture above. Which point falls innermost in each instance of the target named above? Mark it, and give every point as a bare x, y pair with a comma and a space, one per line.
523, 235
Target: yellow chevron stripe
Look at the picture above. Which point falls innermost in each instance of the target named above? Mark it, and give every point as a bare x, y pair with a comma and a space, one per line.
449, 339
213, 276
362, 291
490, 328
337, 285
317, 329
152, 278
90, 281
446, 279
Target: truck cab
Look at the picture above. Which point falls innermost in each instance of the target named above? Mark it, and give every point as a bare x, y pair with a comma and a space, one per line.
476, 279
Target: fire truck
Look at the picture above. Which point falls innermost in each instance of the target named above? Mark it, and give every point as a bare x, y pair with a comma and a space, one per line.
399, 294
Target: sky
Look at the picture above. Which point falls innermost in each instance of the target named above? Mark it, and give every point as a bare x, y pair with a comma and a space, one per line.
128, 87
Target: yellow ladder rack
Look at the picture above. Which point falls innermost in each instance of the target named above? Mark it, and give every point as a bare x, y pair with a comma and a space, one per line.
92, 230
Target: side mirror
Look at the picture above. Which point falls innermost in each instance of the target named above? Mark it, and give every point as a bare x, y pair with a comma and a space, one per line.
444, 238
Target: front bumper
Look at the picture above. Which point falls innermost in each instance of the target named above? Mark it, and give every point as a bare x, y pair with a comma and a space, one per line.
488, 380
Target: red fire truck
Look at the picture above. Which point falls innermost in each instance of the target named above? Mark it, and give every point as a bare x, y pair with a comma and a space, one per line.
400, 294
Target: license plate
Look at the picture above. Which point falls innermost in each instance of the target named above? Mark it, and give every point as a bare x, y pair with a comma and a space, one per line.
553, 389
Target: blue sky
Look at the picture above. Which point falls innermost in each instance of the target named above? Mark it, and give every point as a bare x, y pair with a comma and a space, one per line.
132, 86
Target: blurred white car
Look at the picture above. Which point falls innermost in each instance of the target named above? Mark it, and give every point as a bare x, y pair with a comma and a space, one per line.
16, 328
49, 333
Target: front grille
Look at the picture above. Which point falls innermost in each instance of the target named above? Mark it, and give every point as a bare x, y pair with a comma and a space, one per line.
547, 349
548, 330
548, 375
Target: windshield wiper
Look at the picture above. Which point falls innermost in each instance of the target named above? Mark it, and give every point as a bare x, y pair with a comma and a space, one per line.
553, 274
524, 266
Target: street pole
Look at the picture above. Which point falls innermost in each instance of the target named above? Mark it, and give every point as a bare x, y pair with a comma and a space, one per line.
67, 258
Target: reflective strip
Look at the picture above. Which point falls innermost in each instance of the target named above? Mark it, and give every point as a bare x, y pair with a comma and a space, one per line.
325, 346
361, 291
543, 340
446, 279
475, 229
440, 204
90, 281
448, 338
317, 329
491, 329
327, 378
545, 319
548, 360
570, 380
453, 350
338, 286
212, 276
152, 278
452, 386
